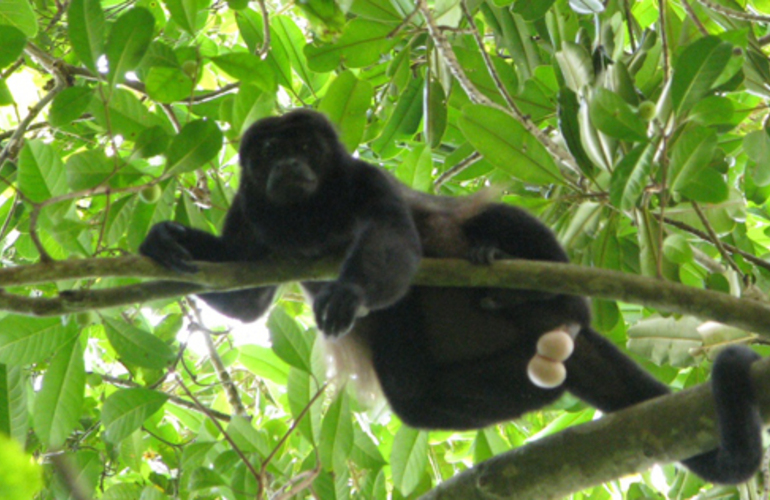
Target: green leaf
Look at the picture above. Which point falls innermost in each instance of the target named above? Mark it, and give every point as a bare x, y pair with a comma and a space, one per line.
677, 249
289, 341
126, 410
25, 340
613, 116
712, 110
86, 30
506, 144
706, 186
301, 388
337, 434
264, 363
587, 6
691, 154
532, 11
69, 105
362, 43
408, 458
666, 340
403, 122
569, 108
197, 143
125, 114
138, 347
19, 14
185, 13
757, 147
631, 176
248, 68
41, 171
696, 71
246, 437
129, 40
14, 414
12, 42
168, 85
345, 104
576, 66
88, 169
434, 112
60, 400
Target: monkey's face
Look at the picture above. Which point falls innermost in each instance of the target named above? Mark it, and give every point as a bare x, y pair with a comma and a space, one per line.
285, 159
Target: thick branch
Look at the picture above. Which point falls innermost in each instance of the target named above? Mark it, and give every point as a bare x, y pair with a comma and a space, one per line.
743, 313
666, 429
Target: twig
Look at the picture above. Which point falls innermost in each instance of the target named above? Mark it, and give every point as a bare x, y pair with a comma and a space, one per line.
222, 374
221, 429
715, 239
171, 397
735, 14
462, 165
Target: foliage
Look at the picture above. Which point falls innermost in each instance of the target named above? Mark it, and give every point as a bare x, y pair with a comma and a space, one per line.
639, 136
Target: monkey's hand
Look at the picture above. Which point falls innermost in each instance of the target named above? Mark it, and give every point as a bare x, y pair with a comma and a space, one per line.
546, 368
163, 245
336, 307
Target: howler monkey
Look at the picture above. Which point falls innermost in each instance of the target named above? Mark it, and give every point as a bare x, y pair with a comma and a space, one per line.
448, 358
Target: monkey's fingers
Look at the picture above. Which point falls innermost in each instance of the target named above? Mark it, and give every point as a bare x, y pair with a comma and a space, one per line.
546, 369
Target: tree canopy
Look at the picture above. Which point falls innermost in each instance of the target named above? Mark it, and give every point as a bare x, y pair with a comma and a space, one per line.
635, 129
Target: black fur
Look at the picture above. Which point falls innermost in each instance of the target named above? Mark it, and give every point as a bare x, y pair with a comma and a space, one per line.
451, 358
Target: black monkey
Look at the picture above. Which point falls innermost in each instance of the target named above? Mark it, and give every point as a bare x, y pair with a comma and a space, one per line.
453, 358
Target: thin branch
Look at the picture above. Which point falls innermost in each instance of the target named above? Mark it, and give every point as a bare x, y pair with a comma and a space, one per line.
119, 382
556, 277
705, 237
713, 238
667, 429
735, 14
462, 165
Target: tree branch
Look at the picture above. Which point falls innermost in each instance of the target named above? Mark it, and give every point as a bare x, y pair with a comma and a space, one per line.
743, 313
667, 429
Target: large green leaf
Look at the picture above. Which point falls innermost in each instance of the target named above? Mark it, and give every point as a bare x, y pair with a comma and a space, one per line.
126, 410
289, 342
41, 171
128, 42
362, 43
346, 103
692, 153
408, 458
19, 14
14, 406
60, 400
697, 70
69, 105
12, 42
631, 176
197, 143
25, 340
138, 347
86, 30
506, 144
337, 434
613, 116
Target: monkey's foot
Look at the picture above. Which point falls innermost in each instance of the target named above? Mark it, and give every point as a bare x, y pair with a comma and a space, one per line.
546, 369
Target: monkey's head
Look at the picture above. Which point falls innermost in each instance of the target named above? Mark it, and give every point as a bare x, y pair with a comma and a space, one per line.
285, 159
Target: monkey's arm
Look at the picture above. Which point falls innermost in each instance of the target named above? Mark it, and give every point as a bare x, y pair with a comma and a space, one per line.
380, 262
174, 246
